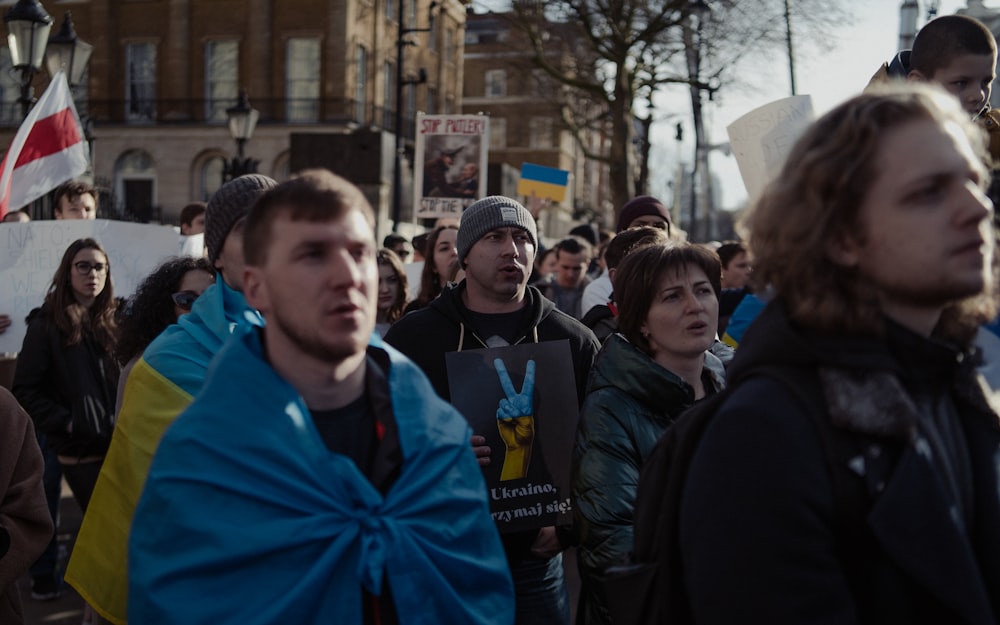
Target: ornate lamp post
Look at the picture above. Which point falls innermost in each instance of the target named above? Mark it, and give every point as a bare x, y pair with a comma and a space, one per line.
28, 27
242, 122
68, 52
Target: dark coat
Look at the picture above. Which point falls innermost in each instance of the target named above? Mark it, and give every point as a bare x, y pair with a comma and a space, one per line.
24, 515
631, 400
426, 335
771, 531
59, 385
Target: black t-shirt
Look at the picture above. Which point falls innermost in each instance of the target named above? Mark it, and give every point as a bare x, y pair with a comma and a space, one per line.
350, 431
498, 329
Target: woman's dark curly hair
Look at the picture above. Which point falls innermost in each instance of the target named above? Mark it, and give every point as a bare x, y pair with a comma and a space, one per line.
151, 309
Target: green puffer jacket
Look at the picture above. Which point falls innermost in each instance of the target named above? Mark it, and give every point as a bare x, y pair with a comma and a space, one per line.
631, 400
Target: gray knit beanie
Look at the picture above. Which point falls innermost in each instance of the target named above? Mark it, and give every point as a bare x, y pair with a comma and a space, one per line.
490, 213
228, 205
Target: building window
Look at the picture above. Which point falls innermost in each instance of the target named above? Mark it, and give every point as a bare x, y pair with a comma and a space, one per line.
540, 129
361, 86
432, 31
411, 103
498, 132
431, 100
541, 83
390, 9
211, 176
135, 179
302, 79
222, 71
496, 83
389, 94
140, 81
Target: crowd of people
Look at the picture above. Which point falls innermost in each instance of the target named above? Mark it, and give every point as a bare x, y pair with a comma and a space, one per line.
277, 432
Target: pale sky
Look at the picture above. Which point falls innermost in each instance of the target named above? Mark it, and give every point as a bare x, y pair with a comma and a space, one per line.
829, 77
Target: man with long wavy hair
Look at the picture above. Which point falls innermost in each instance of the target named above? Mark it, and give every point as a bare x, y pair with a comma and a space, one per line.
851, 475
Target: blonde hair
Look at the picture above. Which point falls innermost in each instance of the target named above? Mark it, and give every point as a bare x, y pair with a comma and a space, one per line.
816, 199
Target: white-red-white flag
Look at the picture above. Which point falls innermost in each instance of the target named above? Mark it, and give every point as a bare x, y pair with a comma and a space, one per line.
47, 150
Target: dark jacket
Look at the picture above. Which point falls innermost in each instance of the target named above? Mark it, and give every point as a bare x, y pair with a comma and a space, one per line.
59, 385
888, 530
24, 515
426, 335
631, 400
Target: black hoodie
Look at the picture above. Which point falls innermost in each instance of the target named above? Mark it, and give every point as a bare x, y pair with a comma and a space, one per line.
445, 325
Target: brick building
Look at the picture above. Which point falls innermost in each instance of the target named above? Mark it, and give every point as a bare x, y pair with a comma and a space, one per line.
163, 72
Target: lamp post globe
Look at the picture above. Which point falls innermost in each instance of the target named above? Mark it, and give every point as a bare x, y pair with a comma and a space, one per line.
28, 27
242, 123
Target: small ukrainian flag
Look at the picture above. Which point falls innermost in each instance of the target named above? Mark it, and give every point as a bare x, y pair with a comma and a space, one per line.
547, 183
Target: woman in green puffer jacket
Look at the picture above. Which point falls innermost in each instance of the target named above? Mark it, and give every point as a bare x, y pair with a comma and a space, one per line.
644, 377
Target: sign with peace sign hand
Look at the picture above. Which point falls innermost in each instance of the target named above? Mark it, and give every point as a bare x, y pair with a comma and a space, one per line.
516, 421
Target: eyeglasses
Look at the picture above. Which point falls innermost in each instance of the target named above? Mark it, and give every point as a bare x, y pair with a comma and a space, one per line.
184, 299
84, 268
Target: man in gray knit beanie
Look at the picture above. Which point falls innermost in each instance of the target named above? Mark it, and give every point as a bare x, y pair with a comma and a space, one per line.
490, 213
226, 211
495, 307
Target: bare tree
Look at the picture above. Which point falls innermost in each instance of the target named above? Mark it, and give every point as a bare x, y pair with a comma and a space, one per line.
610, 55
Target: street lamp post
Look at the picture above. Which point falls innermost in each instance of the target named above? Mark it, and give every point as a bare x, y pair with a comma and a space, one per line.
402, 81
28, 27
69, 53
242, 122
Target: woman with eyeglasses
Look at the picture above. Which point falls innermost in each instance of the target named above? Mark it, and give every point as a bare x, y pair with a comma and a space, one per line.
160, 300
66, 373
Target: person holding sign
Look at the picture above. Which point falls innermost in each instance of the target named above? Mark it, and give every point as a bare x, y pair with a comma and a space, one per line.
494, 307
316, 478
645, 376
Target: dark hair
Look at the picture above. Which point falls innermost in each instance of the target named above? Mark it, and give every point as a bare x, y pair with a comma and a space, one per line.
192, 210
816, 199
393, 239
150, 310
627, 241
73, 319
70, 190
419, 242
389, 258
730, 250
314, 195
573, 245
587, 232
947, 37
431, 284
638, 277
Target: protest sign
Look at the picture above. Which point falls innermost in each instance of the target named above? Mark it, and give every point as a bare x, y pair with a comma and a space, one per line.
523, 401
762, 138
450, 159
30, 253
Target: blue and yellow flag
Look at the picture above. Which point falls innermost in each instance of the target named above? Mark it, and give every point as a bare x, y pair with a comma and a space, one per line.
544, 182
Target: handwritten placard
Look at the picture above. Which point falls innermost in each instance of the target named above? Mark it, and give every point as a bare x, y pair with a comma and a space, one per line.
762, 138
30, 254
